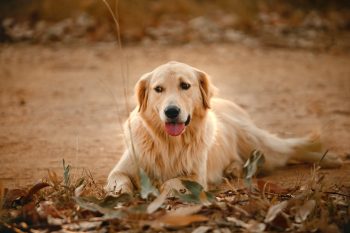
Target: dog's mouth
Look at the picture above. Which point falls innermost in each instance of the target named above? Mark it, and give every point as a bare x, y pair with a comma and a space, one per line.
174, 128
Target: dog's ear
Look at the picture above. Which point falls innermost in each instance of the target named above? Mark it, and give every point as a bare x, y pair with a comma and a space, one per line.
206, 88
141, 91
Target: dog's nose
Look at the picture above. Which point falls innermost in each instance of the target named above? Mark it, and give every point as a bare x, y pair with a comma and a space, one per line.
172, 112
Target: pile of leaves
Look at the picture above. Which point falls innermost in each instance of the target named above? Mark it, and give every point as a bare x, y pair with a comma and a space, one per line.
64, 204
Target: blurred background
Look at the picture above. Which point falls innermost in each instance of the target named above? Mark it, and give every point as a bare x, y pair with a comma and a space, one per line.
66, 88
311, 24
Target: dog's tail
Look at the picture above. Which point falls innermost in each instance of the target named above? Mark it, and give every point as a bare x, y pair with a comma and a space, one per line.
280, 151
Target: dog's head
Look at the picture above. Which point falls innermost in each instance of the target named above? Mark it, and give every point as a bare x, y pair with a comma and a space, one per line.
174, 93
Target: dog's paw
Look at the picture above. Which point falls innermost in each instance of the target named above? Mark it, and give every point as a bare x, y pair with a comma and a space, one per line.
118, 189
173, 184
234, 170
118, 186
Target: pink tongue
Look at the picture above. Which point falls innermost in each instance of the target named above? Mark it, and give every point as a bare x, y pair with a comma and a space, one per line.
174, 129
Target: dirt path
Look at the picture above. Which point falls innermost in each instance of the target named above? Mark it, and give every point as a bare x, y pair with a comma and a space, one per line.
59, 102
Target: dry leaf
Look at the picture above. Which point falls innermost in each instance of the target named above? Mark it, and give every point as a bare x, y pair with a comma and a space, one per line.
182, 216
251, 226
267, 186
79, 190
14, 197
47, 208
185, 210
82, 226
33, 190
178, 220
201, 229
237, 222
156, 203
305, 210
274, 211
255, 226
147, 187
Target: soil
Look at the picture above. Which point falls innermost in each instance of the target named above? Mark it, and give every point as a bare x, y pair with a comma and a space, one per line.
67, 102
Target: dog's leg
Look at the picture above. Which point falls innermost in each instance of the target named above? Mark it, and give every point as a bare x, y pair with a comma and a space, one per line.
176, 184
120, 178
118, 182
199, 176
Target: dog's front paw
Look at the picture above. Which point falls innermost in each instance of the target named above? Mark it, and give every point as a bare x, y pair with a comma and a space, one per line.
118, 184
173, 184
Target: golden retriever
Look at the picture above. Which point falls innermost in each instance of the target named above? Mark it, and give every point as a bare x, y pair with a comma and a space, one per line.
180, 131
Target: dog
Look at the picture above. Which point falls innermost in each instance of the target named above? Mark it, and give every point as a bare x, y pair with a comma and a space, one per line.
179, 130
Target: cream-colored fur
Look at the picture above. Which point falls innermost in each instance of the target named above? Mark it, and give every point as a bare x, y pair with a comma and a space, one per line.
218, 139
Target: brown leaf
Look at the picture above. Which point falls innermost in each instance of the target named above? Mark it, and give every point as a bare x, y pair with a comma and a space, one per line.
255, 226
178, 220
33, 190
201, 229
251, 226
47, 208
14, 197
305, 210
182, 216
29, 213
275, 210
280, 221
267, 186
156, 203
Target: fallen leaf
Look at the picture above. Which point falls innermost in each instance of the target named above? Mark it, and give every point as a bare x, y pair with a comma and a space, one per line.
33, 190
146, 185
274, 210
185, 210
255, 226
237, 222
46, 208
252, 165
267, 186
178, 220
55, 221
281, 221
82, 226
113, 201
197, 194
251, 226
156, 203
305, 210
192, 186
96, 207
201, 229
13, 198
79, 190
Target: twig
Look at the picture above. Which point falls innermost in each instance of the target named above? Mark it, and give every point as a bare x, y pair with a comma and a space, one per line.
323, 156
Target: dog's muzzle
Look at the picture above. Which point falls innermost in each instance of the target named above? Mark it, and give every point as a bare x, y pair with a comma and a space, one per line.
173, 127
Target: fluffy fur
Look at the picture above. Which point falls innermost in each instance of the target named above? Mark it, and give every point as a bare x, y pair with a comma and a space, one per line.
218, 139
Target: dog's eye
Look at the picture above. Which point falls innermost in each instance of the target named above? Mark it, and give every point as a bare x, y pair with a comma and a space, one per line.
185, 86
158, 89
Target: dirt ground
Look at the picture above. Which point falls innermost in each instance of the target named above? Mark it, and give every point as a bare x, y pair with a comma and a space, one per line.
67, 101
